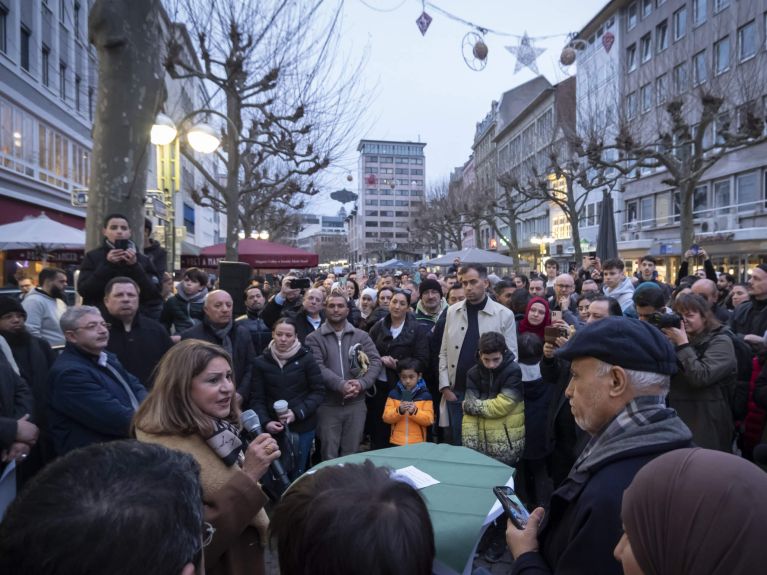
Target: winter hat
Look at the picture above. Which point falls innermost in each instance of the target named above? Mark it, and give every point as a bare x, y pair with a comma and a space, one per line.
428, 284
10, 305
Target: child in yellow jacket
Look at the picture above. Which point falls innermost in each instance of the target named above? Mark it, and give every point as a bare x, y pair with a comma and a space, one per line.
409, 408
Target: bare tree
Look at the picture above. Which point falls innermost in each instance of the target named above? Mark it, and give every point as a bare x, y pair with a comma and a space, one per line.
126, 35
287, 113
441, 223
508, 209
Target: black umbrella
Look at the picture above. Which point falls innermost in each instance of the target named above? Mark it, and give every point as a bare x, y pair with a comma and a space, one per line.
607, 241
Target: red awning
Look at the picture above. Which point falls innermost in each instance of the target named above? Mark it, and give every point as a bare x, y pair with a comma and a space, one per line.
264, 254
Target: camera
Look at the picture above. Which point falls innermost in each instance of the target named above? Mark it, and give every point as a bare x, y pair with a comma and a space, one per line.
300, 283
661, 320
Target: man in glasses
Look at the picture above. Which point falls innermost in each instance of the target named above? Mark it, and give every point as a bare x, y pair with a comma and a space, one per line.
92, 398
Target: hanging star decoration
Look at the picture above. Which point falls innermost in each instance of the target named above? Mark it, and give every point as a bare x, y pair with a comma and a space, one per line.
526, 54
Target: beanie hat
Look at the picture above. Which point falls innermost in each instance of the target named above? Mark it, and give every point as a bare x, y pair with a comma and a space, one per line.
10, 305
625, 342
369, 292
428, 284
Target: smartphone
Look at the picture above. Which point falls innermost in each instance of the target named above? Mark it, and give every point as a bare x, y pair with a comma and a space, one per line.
592, 255
556, 315
512, 506
122, 244
695, 249
550, 334
300, 283
407, 395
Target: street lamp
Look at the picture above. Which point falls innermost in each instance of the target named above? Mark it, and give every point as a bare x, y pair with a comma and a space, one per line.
201, 137
542, 242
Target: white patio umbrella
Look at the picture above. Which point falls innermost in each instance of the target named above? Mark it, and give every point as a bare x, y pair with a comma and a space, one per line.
473, 256
40, 233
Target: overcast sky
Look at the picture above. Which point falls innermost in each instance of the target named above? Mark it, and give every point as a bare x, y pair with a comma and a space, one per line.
420, 87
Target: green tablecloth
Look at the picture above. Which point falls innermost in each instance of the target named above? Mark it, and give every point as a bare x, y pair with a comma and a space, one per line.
459, 503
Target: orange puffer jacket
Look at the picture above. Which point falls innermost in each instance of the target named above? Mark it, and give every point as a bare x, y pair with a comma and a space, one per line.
405, 428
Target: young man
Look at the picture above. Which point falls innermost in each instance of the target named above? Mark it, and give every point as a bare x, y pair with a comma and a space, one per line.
183, 310
617, 285
45, 305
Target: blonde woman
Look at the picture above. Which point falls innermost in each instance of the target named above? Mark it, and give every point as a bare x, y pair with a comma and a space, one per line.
193, 408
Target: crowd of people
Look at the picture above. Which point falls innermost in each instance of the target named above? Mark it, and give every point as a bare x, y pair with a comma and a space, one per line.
608, 393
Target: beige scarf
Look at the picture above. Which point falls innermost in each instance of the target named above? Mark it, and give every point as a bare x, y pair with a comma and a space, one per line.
282, 358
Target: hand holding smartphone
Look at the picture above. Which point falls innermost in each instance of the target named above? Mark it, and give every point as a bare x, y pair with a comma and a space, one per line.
513, 507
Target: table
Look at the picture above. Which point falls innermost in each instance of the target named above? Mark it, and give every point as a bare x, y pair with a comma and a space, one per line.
460, 505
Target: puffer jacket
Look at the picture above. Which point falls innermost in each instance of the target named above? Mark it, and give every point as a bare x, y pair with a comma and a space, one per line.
405, 428
494, 411
183, 312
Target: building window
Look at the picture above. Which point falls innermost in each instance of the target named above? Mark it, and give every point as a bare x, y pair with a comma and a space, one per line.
24, 43
700, 200
680, 78
371, 224
90, 102
747, 41
46, 66
645, 94
3, 29
746, 188
632, 16
646, 48
698, 12
189, 218
661, 89
78, 85
63, 80
720, 5
646, 8
661, 36
76, 19
631, 58
722, 194
699, 70
631, 105
722, 55
680, 23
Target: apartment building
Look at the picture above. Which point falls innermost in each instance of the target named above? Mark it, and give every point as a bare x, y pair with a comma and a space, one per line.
391, 194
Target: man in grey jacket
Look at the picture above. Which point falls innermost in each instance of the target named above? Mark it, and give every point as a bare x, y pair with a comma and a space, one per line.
45, 305
349, 363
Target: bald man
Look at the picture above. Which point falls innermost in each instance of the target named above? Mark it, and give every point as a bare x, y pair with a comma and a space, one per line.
709, 291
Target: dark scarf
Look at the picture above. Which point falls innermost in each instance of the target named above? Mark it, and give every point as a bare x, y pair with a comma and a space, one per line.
222, 334
225, 441
196, 298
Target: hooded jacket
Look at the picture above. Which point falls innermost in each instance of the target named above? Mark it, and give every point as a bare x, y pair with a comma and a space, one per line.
624, 293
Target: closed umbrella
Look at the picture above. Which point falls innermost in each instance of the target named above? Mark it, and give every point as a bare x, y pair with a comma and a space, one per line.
607, 241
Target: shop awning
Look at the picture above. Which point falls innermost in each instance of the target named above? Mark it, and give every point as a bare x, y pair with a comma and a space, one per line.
260, 254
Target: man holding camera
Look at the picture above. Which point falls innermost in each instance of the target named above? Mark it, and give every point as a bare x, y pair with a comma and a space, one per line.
306, 311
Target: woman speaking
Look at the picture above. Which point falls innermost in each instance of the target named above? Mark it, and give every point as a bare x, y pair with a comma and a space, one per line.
193, 408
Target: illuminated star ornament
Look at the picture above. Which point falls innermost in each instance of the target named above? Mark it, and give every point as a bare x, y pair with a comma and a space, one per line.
526, 54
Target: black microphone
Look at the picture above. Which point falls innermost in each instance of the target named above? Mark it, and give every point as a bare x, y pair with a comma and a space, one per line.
252, 427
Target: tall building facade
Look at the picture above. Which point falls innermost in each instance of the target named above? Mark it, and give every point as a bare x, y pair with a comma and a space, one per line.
391, 194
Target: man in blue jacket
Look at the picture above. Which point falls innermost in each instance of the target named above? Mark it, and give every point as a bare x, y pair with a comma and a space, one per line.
92, 398
620, 375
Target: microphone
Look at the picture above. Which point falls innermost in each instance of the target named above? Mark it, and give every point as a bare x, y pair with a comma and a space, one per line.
252, 427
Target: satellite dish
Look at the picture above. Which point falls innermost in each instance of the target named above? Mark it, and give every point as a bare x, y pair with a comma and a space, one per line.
343, 196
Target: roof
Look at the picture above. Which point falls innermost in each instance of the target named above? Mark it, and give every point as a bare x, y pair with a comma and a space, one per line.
514, 102
607, 10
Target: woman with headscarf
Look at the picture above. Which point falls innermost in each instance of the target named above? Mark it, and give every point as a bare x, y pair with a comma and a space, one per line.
537, 317
366, 304
695, 511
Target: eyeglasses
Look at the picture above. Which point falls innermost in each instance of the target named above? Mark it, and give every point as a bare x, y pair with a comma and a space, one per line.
93, 325
563, 286
207, 533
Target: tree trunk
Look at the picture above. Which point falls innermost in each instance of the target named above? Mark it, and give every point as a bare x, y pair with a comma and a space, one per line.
572, 208
514, 246
232, 149
686, 218
126, 35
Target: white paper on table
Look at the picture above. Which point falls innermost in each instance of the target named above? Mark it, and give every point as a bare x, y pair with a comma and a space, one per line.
414, 476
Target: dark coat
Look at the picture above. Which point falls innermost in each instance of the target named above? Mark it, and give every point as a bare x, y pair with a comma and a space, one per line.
583, 524
181, 313
158, 256
413, 342
299, 383
86, 403
140, 349
749, 318
242, 355
16, 400
378, 314
260, 333
537, 401
96, 271
273, 311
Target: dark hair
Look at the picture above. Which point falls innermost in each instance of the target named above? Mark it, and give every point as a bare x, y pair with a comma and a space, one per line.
652, 296
146, 497
530, 348
197, 275
613, 264
356, 294
286, 321
479, 268
387, 521
525, 280
502, 285
492, 341
551, 262
613, 307
451, 288
519, 300
114, 216
690, 302
536, 279
247, 289
405, 292
588, 296
649, 258
148, 225
48, 274
120, 280
729, 277
409, 363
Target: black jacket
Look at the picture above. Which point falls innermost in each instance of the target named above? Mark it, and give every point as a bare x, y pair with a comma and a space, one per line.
242, 355
413, 342
299, 383
158, 256
749, 318
183, 313
140, 349
16, 401
259, 331
96, 271
273, 311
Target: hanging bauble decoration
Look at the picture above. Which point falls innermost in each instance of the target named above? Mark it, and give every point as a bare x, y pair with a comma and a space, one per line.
423, 22
349, 177
474, 51
370, 180
567, 57
608, 39
526, 54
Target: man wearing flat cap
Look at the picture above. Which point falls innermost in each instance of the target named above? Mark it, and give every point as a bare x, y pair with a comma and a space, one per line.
620, 372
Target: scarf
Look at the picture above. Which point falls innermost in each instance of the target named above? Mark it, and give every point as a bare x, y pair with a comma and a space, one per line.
526, 327
225, 441
431, 316
196, 298
223, 335
645, 421
282, 357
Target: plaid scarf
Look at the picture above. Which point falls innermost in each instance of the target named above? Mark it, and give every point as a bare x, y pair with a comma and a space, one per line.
643, 422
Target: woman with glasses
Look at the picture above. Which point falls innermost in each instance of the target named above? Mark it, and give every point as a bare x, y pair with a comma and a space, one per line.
193, 408
396, 336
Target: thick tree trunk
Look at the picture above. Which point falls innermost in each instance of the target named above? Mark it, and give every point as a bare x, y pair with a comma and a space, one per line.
126, 35
686, 219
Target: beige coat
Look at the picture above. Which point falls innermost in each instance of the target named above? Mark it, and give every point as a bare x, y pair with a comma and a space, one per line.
233, 505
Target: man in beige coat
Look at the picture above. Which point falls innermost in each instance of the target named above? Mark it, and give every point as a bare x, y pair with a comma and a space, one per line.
465, 322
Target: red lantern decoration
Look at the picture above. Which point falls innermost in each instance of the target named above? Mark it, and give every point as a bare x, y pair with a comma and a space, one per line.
608, 39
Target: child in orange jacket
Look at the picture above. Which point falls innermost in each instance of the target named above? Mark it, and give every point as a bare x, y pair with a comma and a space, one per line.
409, 408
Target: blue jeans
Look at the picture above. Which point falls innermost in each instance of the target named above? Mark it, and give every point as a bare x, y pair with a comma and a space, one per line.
305, 441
